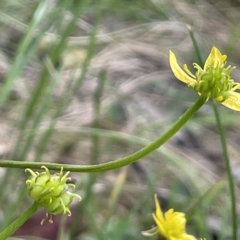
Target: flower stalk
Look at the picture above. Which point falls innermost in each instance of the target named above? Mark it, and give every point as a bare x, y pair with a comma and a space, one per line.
118, 162
7, 232
229, 172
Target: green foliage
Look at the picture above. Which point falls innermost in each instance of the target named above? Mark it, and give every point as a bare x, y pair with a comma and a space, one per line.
86, 82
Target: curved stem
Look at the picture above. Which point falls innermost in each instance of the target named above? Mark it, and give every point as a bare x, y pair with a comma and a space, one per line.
7, 232
119, 162
229, 172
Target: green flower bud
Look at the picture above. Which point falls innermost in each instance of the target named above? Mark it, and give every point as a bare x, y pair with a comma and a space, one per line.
59, 204
51, 191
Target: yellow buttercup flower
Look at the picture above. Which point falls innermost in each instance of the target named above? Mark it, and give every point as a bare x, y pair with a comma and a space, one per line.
212, 81
170, 226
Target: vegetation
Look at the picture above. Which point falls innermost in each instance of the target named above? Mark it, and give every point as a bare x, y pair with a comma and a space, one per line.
88, 82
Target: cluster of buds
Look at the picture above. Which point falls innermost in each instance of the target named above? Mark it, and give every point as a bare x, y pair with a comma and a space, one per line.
51, 191
214, 80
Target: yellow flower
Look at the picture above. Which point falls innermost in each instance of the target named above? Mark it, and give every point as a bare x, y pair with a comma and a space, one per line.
51, 191
211, 81
170, 226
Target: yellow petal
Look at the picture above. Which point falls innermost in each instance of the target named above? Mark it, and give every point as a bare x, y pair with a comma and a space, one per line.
158, 216
237, 86
178, 72
233, 101
215, 58
159, 213
188, 237
160, 225
185, 67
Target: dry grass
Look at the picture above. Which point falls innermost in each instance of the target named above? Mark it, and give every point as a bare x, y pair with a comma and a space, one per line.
141, 99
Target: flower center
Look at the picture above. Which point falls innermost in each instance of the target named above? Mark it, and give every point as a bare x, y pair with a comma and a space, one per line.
214, 81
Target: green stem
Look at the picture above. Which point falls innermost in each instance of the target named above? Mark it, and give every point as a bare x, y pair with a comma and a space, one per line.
195, 45
119, 162
7, 232
229, 171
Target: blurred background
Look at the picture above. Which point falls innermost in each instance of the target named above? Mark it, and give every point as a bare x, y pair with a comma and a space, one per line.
85, 82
